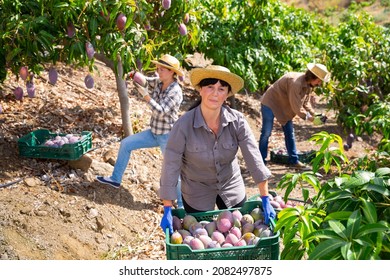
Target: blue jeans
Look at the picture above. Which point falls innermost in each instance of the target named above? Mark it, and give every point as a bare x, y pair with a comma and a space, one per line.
266, 129
143, 139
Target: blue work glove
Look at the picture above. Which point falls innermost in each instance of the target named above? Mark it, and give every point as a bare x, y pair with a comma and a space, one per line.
166, 221
268, 210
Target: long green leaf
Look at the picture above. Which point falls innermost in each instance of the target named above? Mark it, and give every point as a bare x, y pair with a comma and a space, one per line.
326, 248
377, 188
338, 228
312, 180
323, 234
338, 195
353, 224
381, 172
371, 228
340, 215
286, 221
369, 210
346, 251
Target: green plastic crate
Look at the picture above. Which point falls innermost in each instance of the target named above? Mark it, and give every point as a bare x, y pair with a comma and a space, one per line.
31, 146
304, 157
266, 249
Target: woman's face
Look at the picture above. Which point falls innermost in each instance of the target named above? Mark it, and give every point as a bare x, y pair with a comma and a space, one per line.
164, 73
214, 95
315, 83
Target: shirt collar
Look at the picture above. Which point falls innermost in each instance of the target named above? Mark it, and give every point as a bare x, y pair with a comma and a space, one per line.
227, 116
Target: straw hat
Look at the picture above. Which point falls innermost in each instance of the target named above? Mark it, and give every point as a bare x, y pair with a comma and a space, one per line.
169, 62
216, 72
319, 70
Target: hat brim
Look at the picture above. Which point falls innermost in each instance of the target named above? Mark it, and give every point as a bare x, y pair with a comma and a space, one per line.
235, 81
177, 71
325, 79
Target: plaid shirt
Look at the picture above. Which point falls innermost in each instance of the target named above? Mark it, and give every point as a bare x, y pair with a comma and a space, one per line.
165, 106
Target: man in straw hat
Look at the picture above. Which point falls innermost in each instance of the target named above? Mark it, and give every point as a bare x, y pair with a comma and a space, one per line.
164, 103
288, 97
202, 149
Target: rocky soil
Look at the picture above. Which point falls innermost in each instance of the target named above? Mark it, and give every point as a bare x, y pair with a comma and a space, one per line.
54, 209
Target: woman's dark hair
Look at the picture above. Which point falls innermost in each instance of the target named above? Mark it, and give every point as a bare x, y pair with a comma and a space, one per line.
309, 76
213, 81
206, 82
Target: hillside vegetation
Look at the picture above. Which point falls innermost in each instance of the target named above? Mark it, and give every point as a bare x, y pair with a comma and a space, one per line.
333, 9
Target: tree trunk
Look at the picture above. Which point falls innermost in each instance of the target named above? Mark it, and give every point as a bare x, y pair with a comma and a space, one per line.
122, 92
123, 100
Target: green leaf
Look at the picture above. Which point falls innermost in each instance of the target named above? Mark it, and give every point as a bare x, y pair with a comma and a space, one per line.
371, 228
338, 228
312, 180
369, 210
337, 195
283, 222
381, 172
323, 234
346, 251
326, 248
382, 189
340, 215
292, 251
353, 224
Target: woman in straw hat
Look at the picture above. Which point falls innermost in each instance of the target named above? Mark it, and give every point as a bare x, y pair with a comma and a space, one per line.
164, 103
288, 97
202, 149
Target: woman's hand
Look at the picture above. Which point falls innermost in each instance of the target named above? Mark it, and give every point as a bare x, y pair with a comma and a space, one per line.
167, 221
269, 211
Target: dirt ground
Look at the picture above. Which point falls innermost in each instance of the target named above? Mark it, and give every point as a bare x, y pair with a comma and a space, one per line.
55, 210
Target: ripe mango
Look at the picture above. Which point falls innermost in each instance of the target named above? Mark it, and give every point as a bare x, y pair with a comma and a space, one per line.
188, 220
236, 231
89, 82
23, 72
213, 244
182, 29
30, 89
218, 236
186, 18
53, 76
140, 79
206, 240
240, 242
257, 214
89, 50
231, 239
176, 238
176, 223
196, 244
70, 30
121, 21
166, 4
18, 92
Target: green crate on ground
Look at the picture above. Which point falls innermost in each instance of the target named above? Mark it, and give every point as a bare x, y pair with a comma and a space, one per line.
31, 146
278, 157
266, 249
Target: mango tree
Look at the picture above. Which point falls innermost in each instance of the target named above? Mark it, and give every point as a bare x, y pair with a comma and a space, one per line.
125, 35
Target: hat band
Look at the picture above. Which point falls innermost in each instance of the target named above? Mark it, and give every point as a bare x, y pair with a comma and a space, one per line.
165, 63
